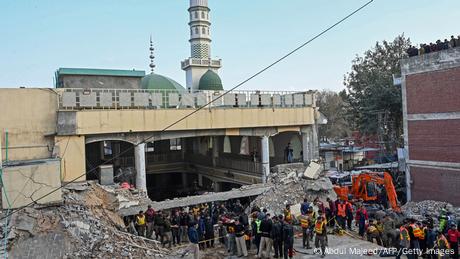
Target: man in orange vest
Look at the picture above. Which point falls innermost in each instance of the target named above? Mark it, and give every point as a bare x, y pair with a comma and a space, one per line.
321, 235
304, 224
349, 213
415, 233
404, 238
341, 214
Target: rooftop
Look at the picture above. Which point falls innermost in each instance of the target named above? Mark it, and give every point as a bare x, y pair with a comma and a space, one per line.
99, 72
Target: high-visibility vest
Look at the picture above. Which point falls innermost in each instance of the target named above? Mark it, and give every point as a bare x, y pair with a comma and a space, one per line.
371, 229
140, 220
258, 221
319, 227
416, 231
341, 210
441, 240
404, 234
304, 221
287, 214
422, 237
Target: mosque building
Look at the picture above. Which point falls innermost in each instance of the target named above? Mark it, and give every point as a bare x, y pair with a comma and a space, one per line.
147, 129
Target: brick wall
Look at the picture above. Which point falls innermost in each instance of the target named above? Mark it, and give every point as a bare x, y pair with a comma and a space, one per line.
436, 140
437, 91
435, 184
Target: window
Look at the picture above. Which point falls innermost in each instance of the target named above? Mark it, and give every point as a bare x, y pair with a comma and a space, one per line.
196, 14
107, 148
203, 15
196, 30
175, 144
150, 147
203, 30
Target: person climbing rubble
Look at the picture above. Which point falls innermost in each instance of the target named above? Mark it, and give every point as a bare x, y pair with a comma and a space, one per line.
140, 223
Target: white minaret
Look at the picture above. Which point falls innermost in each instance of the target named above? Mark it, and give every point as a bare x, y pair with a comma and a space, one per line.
200, 45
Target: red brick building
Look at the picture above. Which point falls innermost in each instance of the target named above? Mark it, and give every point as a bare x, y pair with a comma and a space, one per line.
431, 107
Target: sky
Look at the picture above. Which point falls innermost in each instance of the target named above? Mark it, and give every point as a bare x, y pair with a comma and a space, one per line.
39, 36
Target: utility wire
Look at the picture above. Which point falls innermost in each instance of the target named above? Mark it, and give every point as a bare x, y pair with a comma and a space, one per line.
202, 107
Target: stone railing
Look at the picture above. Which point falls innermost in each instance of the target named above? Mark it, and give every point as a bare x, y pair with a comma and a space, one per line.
79, 99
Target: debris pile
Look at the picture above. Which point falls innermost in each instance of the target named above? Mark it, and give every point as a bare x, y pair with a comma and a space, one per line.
87, 223
428, 208
290, 186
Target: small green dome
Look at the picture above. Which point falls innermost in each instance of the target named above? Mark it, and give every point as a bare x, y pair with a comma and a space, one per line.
159, 82
210, 81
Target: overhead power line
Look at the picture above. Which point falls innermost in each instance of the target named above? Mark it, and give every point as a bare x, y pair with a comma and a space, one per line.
148, 139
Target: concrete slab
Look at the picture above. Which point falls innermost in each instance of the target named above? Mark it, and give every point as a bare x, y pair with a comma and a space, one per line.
313, 170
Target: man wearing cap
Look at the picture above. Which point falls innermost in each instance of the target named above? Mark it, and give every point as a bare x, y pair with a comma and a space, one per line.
265, 241
321, 235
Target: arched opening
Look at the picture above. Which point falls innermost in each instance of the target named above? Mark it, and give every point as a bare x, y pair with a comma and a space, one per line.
296, 145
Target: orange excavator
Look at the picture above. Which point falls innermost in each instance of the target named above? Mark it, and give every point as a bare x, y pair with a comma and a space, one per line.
363, 187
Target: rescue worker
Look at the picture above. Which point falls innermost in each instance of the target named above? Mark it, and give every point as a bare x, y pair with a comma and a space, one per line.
442, 245
404, 238
388, 228
140, 223
166, 234
288, 239
287, 212
422, 237
430, 237
311, 223
361, 218
349, 214
321, 235
158, 225
373, 232
304, 224
415, 233
341, 214
443, 221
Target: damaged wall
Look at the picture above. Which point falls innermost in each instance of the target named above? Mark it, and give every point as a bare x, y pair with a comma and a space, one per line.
26, 182
28, 115
72, 151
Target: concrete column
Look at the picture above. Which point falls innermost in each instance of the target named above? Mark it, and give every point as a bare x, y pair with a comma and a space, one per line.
305, 148
139, 160
215, 150
183, 147
265, 155
216, 186
315, 142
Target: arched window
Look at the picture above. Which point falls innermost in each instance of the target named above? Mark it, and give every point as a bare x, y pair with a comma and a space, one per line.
203, 30
196, 14
203, 15
196, 30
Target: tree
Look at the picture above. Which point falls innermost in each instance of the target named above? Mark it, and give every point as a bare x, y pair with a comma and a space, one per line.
375, 103
332, 106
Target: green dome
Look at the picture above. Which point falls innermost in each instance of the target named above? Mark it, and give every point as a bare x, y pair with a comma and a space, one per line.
210, 81
159, 82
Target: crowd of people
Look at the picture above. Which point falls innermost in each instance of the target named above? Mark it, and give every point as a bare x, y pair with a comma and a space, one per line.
198, 228
433, 47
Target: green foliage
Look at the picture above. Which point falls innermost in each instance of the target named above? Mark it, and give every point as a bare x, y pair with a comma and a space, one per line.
333, 107
370, 90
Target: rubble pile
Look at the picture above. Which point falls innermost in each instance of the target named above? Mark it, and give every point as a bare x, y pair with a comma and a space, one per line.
291, 187
89, 223
428, 208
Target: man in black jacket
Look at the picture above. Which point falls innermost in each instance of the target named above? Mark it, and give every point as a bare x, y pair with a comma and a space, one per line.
288, 239
277, 235
265, 241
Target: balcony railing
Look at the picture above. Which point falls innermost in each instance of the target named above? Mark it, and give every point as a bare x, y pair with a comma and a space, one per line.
221, 162
96, 98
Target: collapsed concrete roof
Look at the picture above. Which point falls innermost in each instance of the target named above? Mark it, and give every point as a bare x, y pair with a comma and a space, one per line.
244, 191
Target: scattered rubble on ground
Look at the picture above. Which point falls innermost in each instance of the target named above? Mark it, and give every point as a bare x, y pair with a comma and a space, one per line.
428, 208
89, 222
291, 187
